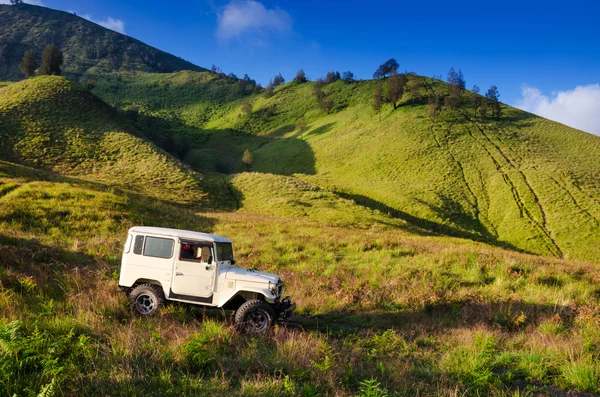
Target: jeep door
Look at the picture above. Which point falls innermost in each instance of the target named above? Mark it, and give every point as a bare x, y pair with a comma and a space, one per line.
194, 271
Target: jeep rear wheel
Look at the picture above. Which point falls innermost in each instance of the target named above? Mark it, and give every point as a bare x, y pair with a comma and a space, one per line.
254, 316
146, 299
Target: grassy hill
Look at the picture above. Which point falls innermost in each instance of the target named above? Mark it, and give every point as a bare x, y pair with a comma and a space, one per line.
87, 47
519, 181
50, 123
382, 311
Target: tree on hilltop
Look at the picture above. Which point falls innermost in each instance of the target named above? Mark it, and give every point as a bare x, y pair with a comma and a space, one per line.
348, 76
390, 67
493, 96
28, 65
477, 99
300, 77
395, 89
269, 91
278, 80
52, 60
457, 86
13, 2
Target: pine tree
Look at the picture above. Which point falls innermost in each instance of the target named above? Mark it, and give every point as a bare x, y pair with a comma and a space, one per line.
52, 60
28, 65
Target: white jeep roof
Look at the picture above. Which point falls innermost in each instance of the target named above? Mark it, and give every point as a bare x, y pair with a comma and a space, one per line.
186, 234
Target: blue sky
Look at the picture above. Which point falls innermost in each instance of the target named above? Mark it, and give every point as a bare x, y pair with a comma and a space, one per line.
543, 55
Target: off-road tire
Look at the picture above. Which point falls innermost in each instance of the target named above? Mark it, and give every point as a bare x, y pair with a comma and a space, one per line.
254, 316
146, 299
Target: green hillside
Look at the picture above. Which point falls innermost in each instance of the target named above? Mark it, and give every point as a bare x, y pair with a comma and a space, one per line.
519, 181
87, 47
50, 123
381, 311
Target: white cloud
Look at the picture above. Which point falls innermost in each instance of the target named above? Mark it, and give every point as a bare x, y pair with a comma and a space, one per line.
34, 2
239, 17
110, 23
578, 108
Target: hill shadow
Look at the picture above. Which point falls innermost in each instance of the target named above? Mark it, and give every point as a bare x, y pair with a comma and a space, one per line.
425, 224
440, 317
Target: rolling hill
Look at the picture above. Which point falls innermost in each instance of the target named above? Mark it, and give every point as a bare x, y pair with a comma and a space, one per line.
519, 181
52, 124
87, 47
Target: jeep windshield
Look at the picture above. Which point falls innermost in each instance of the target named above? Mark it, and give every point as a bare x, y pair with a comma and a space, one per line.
224, 252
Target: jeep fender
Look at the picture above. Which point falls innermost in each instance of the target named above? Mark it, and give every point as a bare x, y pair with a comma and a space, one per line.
150, 281
269, 297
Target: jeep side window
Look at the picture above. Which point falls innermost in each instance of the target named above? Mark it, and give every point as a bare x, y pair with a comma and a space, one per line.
138, 245
195, 252
158, 247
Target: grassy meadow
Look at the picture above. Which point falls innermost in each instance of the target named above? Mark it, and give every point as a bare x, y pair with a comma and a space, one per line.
382, 311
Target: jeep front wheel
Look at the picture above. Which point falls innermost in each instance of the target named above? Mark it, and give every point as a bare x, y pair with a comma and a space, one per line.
254, 316
146, 299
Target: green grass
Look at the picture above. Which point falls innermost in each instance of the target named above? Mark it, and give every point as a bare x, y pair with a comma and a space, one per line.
519, 181
382, 310
41, 125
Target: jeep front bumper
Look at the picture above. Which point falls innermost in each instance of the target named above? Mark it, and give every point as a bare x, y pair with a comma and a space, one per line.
284, 308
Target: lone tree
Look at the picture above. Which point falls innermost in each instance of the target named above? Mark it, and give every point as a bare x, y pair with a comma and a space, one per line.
300, 77
457, 86
28, 65
390, 67
348, 77
395, 90
247, 159
52, 60
378, 99
493, 96
269, 91
278, 80
325, 103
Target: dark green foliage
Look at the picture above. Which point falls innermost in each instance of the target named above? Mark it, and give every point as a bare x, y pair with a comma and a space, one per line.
278, 80
324, 101
13, 2
390, 67
247, 158
493, 101
52, 60
269, 91
301, 124
87, 47
477, 99
348, 77
300, 77
28, 65
456, 87
332, 76
395, 89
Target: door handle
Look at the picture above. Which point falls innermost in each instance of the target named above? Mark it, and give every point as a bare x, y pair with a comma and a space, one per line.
209, 267
178, 274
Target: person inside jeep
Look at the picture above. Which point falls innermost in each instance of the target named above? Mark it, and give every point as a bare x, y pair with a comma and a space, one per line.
187, 252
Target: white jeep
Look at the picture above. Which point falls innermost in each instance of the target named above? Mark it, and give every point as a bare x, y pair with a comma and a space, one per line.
198, 268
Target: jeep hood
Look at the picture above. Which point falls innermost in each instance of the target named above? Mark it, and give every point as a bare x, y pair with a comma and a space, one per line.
238, 273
